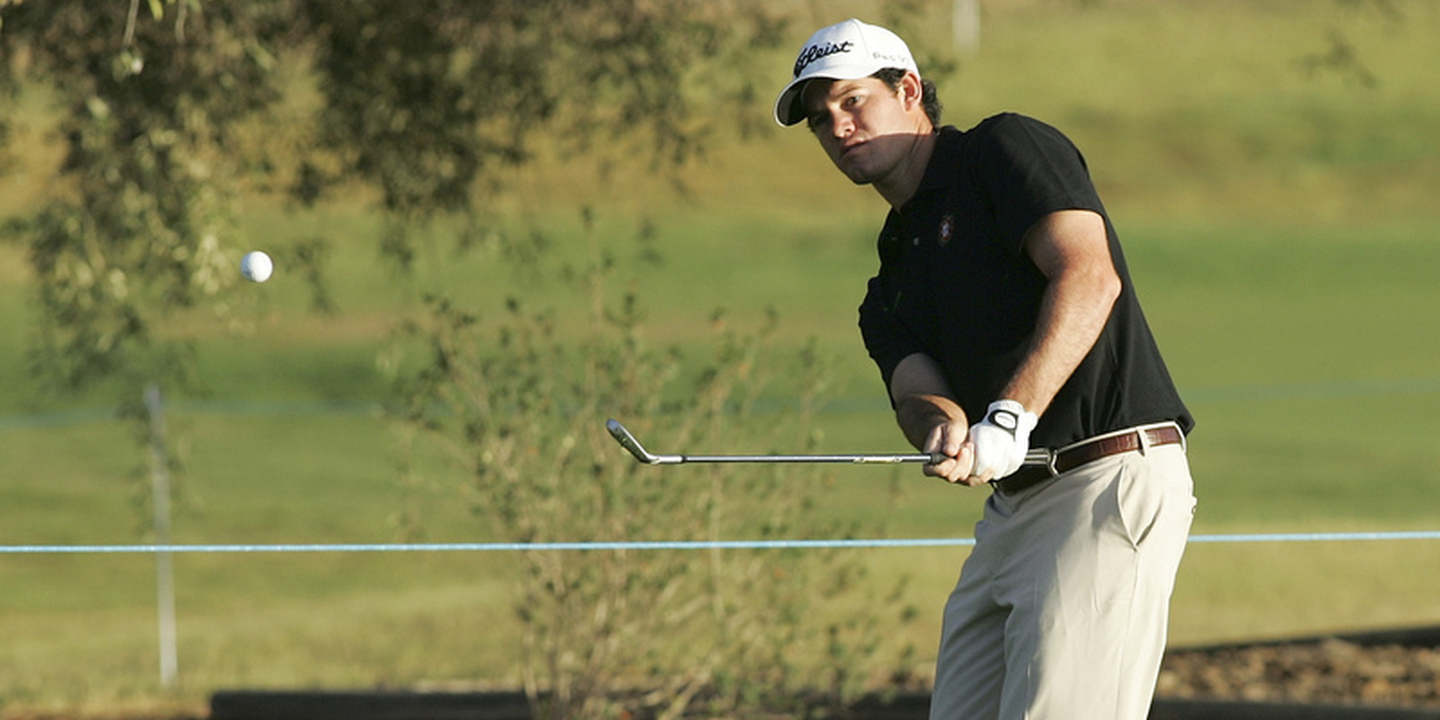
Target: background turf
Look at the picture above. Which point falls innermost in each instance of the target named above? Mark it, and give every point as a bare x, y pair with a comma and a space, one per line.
1280, 224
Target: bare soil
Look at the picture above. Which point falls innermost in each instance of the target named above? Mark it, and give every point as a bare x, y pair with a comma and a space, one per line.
1392, 675
1355, 671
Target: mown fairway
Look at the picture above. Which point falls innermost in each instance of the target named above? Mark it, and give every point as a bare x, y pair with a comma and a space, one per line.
1281, 225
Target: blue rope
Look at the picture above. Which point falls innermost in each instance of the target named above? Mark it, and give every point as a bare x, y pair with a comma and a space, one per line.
655, 545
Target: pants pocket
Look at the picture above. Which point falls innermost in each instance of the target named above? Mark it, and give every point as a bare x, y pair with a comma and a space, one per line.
1150, 492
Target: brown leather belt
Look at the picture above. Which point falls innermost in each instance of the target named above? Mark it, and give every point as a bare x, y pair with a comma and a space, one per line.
1081, 453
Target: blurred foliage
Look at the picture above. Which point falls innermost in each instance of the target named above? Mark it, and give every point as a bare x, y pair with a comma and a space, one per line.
147, 111
430, 102
518, 406
426, 102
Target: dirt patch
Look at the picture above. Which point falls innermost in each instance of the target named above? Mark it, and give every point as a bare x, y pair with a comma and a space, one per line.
1386, 676
1326, 671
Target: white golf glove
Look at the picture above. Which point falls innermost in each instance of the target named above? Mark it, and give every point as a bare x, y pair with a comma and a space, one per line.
1001, 439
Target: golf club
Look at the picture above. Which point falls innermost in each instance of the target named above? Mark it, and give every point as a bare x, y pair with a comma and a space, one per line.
1035, 458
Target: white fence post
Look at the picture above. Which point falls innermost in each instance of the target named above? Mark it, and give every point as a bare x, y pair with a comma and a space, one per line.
164, 572
965, 25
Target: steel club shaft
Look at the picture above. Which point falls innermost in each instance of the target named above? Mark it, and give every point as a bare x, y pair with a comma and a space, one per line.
628, 441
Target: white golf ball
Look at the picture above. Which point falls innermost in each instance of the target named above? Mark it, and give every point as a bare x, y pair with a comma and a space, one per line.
256, 266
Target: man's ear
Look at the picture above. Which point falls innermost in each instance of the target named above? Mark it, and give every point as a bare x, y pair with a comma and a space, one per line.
912, 93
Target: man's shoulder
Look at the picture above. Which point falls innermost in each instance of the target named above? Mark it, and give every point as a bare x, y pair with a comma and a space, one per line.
1007, 122
994, 130
1014, 135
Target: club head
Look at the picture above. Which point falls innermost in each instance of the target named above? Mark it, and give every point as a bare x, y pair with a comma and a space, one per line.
629, 442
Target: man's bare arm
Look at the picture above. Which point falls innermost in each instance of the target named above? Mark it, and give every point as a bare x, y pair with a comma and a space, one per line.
930, 417
1071, 249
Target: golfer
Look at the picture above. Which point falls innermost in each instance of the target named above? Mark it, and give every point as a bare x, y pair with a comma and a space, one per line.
1003, 318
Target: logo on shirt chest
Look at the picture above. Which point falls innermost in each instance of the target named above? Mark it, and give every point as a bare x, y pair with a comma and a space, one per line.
947, 230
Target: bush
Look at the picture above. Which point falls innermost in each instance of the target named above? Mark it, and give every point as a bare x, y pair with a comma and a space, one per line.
519, 406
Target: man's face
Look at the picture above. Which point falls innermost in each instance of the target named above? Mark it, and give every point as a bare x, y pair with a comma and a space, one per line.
865, 127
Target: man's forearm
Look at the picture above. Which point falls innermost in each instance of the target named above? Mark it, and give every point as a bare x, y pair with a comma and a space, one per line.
918, 415
1071, 249
1072, 317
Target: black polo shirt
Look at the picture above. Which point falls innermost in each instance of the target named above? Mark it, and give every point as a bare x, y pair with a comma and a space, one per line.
955, 283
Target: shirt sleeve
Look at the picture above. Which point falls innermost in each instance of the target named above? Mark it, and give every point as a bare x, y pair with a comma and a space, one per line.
887, 339
1029, 170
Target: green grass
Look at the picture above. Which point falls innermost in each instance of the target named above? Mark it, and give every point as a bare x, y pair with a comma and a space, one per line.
1280, 228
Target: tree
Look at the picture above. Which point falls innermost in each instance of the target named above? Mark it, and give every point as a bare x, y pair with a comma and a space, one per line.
147, 112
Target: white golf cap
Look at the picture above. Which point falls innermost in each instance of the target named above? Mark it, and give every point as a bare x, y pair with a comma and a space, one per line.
846, 51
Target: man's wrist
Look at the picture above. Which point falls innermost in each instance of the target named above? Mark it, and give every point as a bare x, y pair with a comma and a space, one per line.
919, 415
1011, 416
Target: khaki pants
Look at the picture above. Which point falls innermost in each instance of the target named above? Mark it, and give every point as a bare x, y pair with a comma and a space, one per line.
1061, 609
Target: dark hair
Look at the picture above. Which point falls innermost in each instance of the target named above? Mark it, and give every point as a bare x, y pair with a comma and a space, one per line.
929, 96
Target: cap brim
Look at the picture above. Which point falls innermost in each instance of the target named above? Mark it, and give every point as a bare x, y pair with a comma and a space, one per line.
787, 106
788, 110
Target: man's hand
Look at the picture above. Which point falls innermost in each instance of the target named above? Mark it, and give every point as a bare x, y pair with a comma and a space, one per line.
932, 420
1000, 441
949, 439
